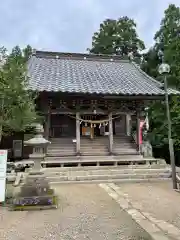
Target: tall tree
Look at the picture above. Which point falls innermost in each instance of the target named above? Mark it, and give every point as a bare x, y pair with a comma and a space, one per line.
117, 37
16, 102
167, 39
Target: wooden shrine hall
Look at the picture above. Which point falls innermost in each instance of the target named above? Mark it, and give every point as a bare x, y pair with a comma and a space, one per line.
90, 102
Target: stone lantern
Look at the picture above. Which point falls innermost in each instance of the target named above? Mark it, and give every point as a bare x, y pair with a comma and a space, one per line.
36, 192
39, 145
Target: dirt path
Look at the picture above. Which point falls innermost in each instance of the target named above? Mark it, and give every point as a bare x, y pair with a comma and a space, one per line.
85, 212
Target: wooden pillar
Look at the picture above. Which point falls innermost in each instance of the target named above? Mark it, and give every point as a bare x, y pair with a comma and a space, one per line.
110, 133
137, 131
128, 124
47, 125
77, 133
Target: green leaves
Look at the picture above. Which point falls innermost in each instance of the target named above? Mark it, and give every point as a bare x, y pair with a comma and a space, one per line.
168, 40
16, 103
116, 37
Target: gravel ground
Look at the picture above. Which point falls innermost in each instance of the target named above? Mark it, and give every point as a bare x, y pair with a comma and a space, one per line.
158, 199
85, 212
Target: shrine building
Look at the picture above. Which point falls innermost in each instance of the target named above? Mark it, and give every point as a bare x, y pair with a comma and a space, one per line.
87, 98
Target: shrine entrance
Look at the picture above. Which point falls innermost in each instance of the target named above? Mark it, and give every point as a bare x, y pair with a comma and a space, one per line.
97, 129
62, 126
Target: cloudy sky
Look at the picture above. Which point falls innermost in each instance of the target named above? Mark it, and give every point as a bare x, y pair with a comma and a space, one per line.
60, 25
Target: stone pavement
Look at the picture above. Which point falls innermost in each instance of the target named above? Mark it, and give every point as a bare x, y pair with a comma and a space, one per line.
155, 203
159, 199
85, 212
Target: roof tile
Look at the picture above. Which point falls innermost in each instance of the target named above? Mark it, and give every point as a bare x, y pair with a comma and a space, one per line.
81, 75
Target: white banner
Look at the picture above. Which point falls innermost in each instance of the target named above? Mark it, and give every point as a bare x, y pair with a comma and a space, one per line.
3, 166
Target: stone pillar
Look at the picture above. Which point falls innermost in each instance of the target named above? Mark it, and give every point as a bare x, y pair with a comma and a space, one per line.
128, 124
77, 133
137, 131
110, 134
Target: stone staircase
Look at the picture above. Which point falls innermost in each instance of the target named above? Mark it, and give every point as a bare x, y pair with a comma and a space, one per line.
60, 147
94, 147
62, 152
123, 145
101, 174
99, 146
95, 165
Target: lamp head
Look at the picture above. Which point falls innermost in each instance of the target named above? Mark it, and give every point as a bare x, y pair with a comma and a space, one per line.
164, 68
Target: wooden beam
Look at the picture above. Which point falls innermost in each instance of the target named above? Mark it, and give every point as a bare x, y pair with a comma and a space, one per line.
110, 133
128, 124
137, 131
77, 133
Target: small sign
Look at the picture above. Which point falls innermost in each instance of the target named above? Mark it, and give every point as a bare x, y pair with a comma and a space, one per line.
34, 202
3, 167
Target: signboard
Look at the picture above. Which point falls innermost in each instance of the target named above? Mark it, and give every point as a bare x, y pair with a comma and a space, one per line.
3, 166
33, 203
86, 131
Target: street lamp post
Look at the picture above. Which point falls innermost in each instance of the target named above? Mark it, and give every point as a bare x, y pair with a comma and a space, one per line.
164, 69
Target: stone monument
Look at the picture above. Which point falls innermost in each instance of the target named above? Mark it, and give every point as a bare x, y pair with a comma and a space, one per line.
36, 192
146, 149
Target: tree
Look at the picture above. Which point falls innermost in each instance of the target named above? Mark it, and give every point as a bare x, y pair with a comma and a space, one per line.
167, 39
117, 37
16, 102
27, 51
151, 62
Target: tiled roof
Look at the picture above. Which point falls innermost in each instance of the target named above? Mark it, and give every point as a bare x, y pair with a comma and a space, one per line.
83, 73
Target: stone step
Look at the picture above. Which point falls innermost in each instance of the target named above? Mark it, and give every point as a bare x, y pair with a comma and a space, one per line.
56, 153
119, 153
110, 172
60, 155
124, 149
61, 161
123, 144
124, 177
98, 158
92, 181
96, 181
93, 146
49, 153
53, 146
94, 153
61, 149
101, 168
62, 143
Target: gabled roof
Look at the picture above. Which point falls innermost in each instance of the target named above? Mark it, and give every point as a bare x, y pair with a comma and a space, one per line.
87, 73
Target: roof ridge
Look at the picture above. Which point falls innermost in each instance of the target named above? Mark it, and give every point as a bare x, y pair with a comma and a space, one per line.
146, 75
88, 56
